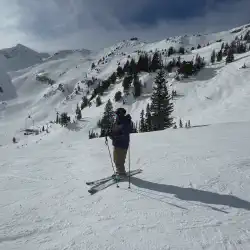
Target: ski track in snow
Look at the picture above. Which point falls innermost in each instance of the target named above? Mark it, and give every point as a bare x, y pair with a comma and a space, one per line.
193, 192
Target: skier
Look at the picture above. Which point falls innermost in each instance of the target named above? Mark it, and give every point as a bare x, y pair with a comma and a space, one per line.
121, 139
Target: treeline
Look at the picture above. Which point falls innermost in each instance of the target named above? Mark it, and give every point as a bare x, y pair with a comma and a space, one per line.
185, 68
157, 115
237, 46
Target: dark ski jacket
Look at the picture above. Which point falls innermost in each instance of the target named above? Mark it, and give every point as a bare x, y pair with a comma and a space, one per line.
120, 132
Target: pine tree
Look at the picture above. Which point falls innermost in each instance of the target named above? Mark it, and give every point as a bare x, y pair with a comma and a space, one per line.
199, 46
156, 62
189, 124
126, 67
143, 63
139, 65
148, 120
118, 96
230, 56
57, 118
43, 129
226, 49
78, 113
213, 56
127, 82
171, 51
178, 63
142, 122
84, 103
146, 61
112, 78
241, 48
161, 107
247, 36
120, 72
132, 67
219, 56
180, 124
182, 50
98, 101
64, 119
107, 119
137, 86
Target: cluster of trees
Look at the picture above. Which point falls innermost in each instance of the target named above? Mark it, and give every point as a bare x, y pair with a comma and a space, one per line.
102, 86
186, 68
127, 82
237, 46
44, 78
63, 119
144, 64
246, 37
158, 114
191, 67
131, 69
187, 124
92, 134
172, 51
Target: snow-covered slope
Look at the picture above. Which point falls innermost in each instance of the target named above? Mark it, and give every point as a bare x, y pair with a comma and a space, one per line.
64, 53
19, 57
219, 93
7, 90
193, 192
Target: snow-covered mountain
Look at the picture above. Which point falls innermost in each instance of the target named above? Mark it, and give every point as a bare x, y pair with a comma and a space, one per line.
216, 87
193, 192
19, 57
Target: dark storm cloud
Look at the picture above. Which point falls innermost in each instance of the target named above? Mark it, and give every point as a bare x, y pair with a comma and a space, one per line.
56, 24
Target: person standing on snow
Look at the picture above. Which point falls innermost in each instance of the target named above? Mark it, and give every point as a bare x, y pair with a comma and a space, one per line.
120, 137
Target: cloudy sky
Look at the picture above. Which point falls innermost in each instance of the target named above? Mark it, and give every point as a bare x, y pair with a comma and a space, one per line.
48, 25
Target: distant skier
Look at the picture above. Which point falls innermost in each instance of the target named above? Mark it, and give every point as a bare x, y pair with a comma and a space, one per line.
120, 137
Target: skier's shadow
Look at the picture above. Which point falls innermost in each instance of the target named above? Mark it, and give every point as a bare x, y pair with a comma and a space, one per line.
191, 194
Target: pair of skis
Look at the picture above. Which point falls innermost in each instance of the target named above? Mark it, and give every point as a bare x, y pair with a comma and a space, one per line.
103, 183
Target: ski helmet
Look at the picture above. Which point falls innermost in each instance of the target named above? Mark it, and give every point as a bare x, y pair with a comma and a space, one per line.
120, 112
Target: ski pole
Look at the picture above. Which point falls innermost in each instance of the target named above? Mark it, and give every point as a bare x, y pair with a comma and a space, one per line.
106, 142
112, 164
129, 167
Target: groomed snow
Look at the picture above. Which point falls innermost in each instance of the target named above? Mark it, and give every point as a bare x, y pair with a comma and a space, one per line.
193, 192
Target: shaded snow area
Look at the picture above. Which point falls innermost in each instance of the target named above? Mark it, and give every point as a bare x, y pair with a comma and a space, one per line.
193, 193
7, 89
